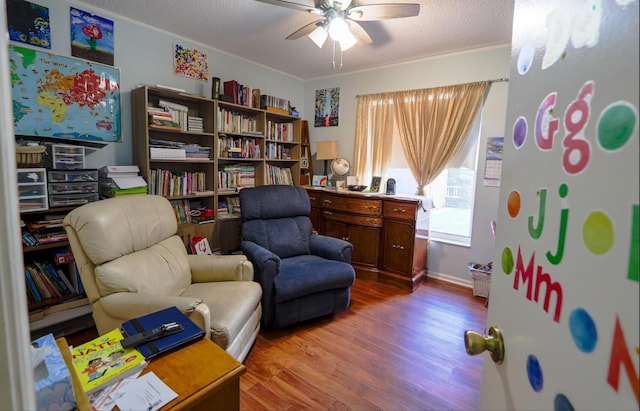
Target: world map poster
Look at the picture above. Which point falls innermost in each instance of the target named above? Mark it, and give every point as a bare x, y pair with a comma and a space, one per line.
64, 97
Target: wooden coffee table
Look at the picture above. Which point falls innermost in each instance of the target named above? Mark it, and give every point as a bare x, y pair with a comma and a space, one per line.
203, 375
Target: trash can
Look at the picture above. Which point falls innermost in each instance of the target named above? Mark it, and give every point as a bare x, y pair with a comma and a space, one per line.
481, 277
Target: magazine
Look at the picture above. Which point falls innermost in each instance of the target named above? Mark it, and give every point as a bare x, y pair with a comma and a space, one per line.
102, 361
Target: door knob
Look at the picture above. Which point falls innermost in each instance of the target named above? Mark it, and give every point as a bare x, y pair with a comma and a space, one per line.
476, 343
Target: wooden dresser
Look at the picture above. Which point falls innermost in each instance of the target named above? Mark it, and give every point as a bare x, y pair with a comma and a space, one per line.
382, 229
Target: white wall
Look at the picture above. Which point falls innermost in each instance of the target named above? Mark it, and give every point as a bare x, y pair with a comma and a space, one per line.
444, 260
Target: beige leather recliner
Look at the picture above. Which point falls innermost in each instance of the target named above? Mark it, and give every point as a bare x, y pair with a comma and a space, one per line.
131, 263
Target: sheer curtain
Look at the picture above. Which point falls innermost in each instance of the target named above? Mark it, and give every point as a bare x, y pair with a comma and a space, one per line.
432, 124
374, 125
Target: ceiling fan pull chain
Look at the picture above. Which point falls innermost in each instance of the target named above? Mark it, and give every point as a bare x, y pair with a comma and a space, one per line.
340, 58
333, 60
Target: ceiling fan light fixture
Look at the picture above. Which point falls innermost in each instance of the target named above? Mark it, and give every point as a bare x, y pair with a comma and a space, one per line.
338, 28
319, 36
347, 41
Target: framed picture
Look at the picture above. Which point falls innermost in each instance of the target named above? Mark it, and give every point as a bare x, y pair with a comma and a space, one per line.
375, 184
341, 185
319, 181
327, 107
91, 37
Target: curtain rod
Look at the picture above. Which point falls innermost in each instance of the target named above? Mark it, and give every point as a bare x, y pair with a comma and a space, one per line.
495, 80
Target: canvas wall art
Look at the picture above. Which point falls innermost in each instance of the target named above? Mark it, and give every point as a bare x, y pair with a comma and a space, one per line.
327, 107
91, 37
190, 63
28, 23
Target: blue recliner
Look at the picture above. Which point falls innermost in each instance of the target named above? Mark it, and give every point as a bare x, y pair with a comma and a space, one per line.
303, 275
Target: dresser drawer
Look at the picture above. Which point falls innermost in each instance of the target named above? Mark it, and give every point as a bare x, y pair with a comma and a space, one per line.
315, 198
353, 219
397, 209
352, 205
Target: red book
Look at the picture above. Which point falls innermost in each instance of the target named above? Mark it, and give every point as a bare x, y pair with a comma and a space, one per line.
231, 89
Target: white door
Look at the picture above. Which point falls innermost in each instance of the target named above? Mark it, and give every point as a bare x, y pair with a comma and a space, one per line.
564, 287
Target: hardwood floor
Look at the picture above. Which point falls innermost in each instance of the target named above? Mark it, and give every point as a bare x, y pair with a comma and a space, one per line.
391, 350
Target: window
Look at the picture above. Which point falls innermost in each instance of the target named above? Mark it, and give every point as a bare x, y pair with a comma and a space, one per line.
450, 196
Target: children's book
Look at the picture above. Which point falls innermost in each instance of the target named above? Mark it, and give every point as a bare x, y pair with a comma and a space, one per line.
102, 361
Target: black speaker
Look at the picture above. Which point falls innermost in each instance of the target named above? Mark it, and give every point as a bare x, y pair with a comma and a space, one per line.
215, 88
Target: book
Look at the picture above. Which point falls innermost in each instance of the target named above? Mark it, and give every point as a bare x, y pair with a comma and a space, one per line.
167, 153
107, 171
190, 331
102, 361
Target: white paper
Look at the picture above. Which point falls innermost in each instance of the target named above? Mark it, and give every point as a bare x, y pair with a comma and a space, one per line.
129, 182
146, 393
105, 400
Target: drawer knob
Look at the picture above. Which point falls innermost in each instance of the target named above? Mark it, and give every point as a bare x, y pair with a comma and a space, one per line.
398, 246
326, 201
370, 207
399, 210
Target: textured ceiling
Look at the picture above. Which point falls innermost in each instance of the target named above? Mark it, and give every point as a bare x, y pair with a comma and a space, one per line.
256, 31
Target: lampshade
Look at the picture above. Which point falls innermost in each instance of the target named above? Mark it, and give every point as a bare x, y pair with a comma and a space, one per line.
319, 35
339, 31
326, 150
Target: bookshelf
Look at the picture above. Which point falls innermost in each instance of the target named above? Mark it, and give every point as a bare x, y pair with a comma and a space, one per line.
54, 291
282, 149
173, 139
306, 166
248, 146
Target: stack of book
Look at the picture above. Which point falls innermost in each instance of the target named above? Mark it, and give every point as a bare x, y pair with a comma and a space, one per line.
160, 118
247, 175
197, 152
167, 150
178, 112
121, 180
46, 230
195, 124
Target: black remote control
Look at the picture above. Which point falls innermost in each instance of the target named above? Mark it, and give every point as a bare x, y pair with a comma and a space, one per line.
146, 336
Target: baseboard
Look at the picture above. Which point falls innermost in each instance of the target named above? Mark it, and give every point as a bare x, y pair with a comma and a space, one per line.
450, 279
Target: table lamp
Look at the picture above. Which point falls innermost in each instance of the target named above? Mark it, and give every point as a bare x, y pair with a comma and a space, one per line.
326, 150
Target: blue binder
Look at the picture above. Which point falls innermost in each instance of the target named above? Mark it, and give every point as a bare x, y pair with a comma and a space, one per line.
190, 332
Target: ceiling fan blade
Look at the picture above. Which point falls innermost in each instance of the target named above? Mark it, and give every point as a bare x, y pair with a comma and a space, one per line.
360, 33
384, 11
292, 5
304, 30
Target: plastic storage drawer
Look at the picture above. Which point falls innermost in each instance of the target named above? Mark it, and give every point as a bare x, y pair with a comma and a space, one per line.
62, 200
72, 176
73, 188
66, 157
32, 189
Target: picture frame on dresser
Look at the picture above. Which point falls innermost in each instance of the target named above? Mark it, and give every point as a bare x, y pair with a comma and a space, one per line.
375, 184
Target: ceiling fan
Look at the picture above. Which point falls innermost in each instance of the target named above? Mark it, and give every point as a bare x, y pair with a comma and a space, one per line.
339, 19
